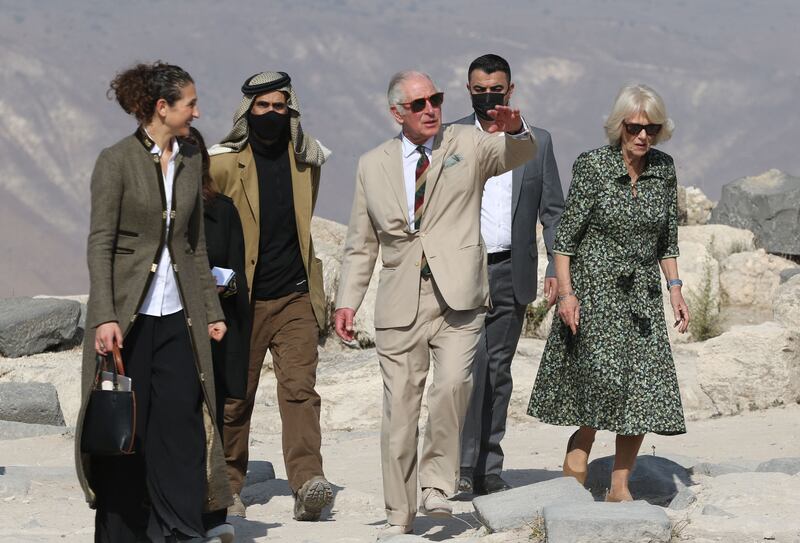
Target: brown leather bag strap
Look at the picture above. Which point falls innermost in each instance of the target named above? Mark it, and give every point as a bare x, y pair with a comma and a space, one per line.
117, 359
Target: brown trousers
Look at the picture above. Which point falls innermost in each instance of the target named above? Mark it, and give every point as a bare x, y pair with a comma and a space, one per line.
287, 327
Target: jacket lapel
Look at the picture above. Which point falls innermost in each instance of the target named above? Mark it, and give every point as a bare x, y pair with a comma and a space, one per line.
393, 166
440, 148
301, 194
248, 177
516, 188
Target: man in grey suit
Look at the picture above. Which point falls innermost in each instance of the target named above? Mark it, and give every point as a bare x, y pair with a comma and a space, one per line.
510, 205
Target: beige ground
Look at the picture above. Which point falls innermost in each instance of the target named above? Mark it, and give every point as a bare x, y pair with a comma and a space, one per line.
53, 508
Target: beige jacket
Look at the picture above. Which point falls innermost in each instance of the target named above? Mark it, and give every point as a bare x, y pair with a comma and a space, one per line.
235, 176
463, 159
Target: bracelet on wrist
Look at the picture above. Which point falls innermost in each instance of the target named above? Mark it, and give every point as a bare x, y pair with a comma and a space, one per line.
565, 295
674, 283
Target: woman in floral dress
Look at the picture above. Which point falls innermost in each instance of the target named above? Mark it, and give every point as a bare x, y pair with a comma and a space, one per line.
608, 364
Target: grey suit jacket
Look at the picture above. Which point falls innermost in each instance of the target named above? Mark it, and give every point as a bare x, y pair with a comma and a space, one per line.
536, 190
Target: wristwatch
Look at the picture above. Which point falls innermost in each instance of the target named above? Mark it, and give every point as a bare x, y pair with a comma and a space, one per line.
674, 283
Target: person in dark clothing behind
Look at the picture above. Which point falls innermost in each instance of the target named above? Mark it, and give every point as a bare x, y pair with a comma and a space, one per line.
225, 245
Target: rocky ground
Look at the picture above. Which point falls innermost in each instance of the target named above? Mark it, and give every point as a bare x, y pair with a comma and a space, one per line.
41, 500
734, 477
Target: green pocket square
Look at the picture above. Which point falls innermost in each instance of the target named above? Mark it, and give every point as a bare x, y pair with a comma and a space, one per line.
452, 160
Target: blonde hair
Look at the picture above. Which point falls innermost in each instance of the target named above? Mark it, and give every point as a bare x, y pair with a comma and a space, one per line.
634, 99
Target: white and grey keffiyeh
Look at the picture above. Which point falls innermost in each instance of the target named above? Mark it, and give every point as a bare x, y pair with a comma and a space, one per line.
307, 149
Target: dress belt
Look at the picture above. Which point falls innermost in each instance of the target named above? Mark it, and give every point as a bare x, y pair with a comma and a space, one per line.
500, 256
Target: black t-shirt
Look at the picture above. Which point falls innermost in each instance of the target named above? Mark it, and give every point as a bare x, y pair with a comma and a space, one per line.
280, 269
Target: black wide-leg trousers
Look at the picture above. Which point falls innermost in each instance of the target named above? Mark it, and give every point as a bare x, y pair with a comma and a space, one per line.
158, 493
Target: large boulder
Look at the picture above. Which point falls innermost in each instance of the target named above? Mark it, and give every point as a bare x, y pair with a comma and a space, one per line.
30, 326
655, 479
32, 403
786, 303
329, 237
751, 278
767, 205
720, 240
698, 206
682, 213
750, 367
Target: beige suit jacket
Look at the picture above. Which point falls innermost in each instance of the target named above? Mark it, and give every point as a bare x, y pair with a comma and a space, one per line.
235, 176
463, 159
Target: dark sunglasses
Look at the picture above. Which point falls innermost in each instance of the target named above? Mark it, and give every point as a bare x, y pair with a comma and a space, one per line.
418, 105
650, 129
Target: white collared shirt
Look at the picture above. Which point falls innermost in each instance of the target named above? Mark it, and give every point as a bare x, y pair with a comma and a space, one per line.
163, 297
410, 158
496, 213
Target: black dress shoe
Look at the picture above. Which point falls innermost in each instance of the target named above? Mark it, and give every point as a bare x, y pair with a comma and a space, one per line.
489, 484
465, 481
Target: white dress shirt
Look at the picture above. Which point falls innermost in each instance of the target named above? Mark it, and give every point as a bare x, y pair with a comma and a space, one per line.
163, 297
410, 158
496, 211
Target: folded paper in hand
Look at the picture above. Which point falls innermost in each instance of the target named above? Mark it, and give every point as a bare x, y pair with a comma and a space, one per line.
223, 276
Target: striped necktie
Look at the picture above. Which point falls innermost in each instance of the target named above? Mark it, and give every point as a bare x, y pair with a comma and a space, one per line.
419, 200
419, 191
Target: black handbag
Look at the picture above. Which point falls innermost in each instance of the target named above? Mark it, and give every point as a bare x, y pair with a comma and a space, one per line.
109, 425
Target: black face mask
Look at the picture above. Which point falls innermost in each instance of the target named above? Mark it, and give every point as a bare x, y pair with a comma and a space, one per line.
485, 101
270, 126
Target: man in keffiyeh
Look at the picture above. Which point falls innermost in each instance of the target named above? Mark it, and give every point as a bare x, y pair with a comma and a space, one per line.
271, 169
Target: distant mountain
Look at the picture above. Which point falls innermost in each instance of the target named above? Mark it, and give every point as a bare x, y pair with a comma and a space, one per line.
727, 69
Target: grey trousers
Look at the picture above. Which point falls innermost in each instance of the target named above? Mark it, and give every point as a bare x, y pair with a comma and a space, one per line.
485, 423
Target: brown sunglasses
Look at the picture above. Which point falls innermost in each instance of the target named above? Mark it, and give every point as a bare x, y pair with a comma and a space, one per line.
418, 105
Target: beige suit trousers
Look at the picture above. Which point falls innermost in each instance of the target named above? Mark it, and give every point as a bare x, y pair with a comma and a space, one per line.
449, 338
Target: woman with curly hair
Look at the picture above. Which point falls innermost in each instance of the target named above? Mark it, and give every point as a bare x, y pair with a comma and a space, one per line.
152, 295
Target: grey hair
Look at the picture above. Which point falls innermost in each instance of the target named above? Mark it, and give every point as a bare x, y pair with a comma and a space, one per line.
633, 99
395, 93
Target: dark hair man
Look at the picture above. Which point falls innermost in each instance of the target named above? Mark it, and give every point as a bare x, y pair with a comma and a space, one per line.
509, 208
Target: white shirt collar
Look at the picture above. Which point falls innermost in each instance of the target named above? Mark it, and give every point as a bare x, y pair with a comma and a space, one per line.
157, 151
479, 127
409, 147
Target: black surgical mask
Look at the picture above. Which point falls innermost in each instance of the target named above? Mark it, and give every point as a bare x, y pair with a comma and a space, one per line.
270, 126
485, 101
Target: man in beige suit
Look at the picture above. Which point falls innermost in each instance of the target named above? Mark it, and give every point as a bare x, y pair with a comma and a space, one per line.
418, 200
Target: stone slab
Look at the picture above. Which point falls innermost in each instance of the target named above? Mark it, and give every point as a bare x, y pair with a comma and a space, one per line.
19, 430
34, 325
600, 522
32, 403
520, 506
714, 470
790, 466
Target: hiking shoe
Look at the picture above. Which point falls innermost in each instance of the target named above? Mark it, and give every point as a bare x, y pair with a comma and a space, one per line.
312, 498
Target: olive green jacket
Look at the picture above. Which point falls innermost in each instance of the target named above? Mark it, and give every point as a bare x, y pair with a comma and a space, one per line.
128, 219
234, 174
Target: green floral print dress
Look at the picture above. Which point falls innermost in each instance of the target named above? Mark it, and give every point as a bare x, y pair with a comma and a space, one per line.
617, 372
